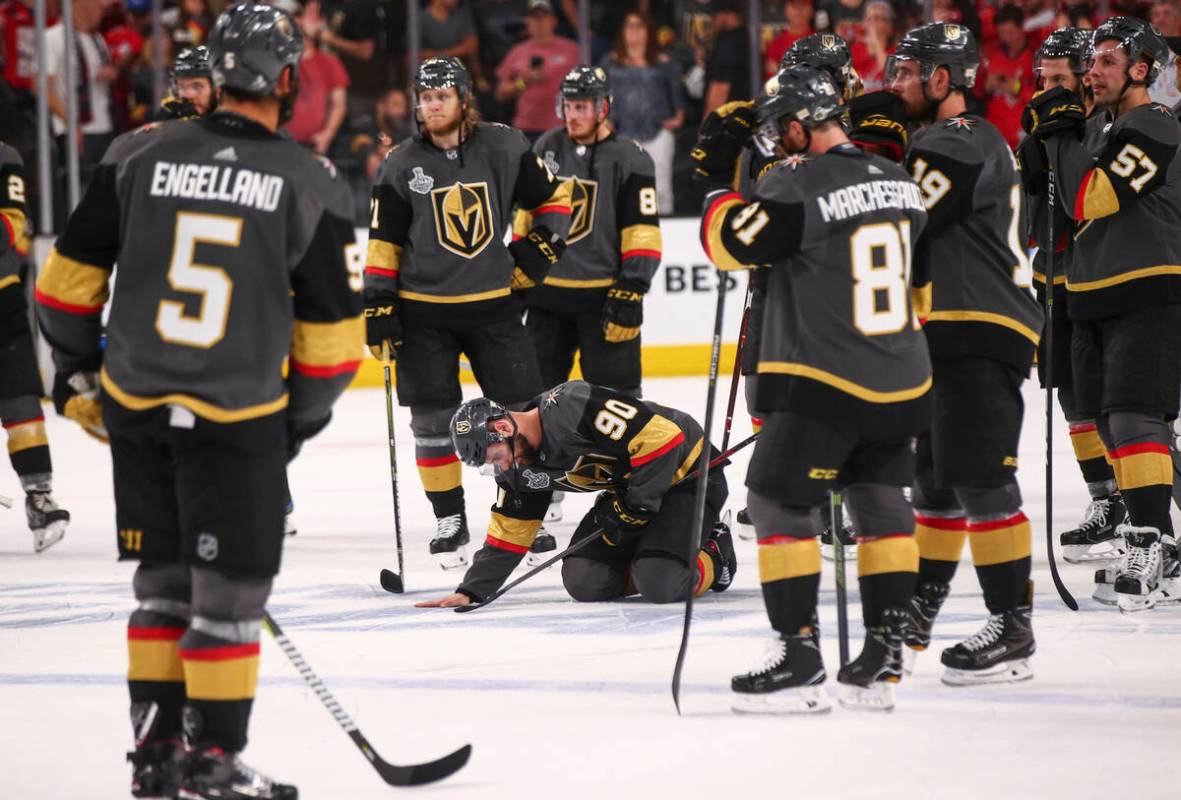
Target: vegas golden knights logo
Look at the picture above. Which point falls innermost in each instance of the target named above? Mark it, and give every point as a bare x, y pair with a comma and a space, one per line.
584, 195
590, 474
463, 217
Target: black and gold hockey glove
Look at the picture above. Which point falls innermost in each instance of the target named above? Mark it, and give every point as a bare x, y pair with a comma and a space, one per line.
1053, 111
76, 397
724, 133
623, 313
534, 255
382, 325
615, 517
877, 124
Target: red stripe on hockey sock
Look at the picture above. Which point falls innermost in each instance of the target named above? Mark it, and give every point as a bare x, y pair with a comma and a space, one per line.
381, 271
141, 634
315, 371
1137, 449
38, 418
438, 461
997, 524
783, 538
1083, 427
501, 544
225, 653
942, 523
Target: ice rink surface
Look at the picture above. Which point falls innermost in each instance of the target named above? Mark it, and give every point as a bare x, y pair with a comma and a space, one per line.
562, 700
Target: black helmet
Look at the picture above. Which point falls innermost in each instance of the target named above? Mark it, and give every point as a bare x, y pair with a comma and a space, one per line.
829, 52
1140, 41
443, 72
802, 93
192, 62
251, 45
1073, 44
584, 82
470, 432
939, 44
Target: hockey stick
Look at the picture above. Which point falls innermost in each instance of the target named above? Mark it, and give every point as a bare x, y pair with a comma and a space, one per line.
391, 581
715, 352
838, 563
750, 290
1063, 592
413, 775
574, 548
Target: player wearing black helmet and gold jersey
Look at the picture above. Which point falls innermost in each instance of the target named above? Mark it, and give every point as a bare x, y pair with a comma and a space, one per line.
982, 325
843, 375
1122, 189
439, 278
235, 324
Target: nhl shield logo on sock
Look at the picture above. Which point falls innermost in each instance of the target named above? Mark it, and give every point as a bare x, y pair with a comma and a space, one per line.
206, 547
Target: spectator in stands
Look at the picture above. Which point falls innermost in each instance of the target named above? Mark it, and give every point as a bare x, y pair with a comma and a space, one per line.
1005, 80
1174, 43
448, 29
93, 74
727, 67
355, 32
394, 120
125, 45
647, 104
875, 42
1039, 20
532, 72
18, 55
1075, 15
842, 17
323, 87
798, 14
187, 23
1165, 16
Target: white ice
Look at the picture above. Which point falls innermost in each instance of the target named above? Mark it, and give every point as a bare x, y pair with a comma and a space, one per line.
561, 699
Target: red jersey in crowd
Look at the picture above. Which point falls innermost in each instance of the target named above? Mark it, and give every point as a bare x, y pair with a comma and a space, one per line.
319, 73
19, 53
1005, 107
777, 47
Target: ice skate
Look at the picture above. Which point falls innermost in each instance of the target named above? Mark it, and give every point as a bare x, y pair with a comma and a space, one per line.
213, 774
1139, 574
999, 653
790, 681
1097, 537
554, 512
543, 544
1169, 591
1105, 586
720, 548
867, 682
449, 547
924, 607
46, 520
744, 527
155, 763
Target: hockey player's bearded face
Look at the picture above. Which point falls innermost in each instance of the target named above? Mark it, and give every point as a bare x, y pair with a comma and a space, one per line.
582, 118
503, 458
1056, 72
1110, 71
907, 83
198, 91
440, 110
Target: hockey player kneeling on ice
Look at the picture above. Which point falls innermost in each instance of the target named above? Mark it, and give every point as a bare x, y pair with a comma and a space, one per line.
213, 374
843, 378
585, 438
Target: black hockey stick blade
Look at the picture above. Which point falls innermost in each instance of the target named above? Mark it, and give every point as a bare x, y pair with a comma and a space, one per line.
417, 774
392, 581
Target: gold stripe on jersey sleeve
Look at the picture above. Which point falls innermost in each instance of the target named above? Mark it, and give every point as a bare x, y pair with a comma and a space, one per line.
690, 461
9, 280
714, 247
522, 223
199, 407
520, 532
658, 434
1099, 198
15, 220
985, 316
846, 386
1132, 275
454, 298
640, 237
383, 255
327, 344
73, 283
920, 299
578, 283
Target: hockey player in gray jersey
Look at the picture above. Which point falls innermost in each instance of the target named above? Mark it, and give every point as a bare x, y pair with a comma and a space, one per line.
20, 377
844, 375
439, 278
982, 325
578, 437
234, 325
190, 86
1124, 283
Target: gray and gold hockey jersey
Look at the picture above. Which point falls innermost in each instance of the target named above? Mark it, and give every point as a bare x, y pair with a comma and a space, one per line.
14, 227
1124, 194
441, 218
19, 374
594, 439
839, 341
614, 220
238, 291
972, 269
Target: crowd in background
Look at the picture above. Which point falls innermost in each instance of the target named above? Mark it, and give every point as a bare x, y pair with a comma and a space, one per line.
670, 62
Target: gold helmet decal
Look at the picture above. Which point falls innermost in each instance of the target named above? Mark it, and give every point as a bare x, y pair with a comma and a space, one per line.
952, 32
828, 41
583, 196
463, 217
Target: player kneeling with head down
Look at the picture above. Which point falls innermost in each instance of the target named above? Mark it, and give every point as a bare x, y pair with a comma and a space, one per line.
584, 438
844, 374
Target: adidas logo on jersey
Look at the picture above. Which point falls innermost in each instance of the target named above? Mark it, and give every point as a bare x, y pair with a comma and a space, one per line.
875, 170
227, 154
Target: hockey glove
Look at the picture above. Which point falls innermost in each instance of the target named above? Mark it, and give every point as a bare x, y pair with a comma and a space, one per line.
1053, 111
300, 432
615, 517
878, 124
623, 312
725, 132
382, 325
1031, 157
534, 255
76, 397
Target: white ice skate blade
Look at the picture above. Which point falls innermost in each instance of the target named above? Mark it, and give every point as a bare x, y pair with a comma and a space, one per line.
909, 656
826, 552
802, 700
1004, 672
1168, 593
877, 697
1112, 550
453, 560
45, 538
745, 532
1133, 603
1105, 593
